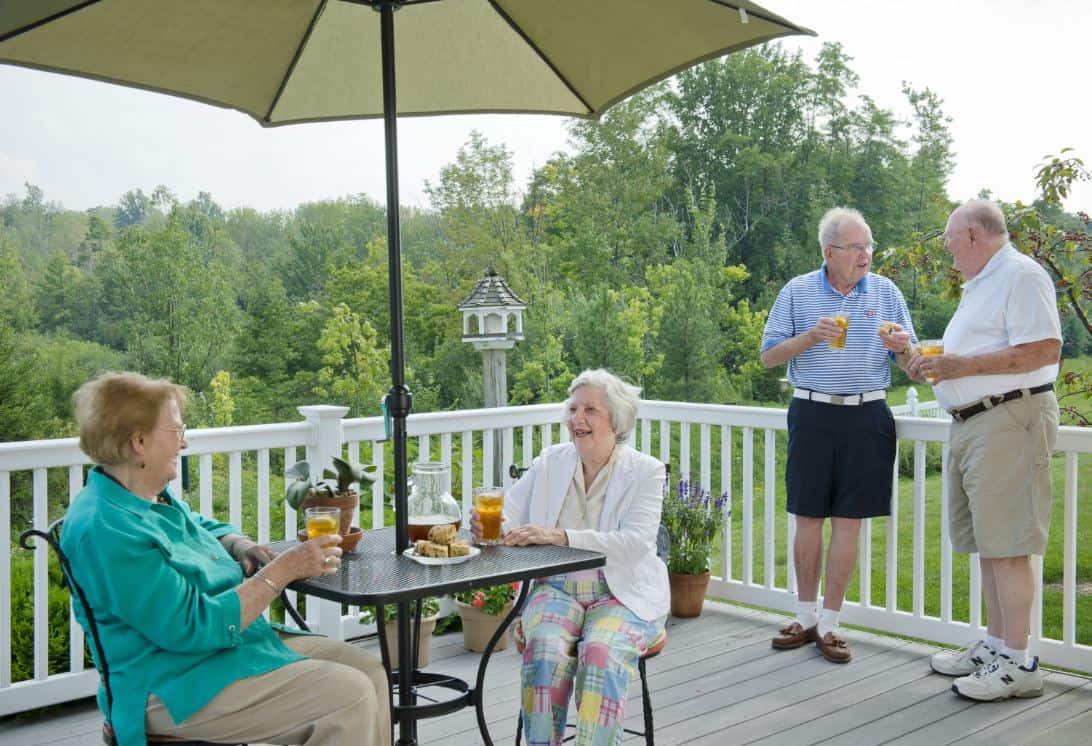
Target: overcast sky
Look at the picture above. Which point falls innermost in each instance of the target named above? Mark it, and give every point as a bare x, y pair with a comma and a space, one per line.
1013, 75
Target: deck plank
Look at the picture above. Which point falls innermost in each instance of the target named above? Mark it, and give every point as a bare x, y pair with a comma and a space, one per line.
718, 681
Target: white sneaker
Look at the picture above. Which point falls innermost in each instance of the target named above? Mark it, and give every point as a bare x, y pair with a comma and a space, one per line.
1000, 680
964, 661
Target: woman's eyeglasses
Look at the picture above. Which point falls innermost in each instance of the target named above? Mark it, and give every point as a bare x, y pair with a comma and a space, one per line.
180, 430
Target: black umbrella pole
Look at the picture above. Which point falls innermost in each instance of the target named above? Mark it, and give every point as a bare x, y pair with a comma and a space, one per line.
399, 399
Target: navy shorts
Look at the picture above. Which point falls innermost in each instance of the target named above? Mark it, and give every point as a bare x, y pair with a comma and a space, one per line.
840, 459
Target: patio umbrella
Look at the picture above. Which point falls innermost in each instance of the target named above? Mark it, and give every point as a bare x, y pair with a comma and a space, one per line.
288, 61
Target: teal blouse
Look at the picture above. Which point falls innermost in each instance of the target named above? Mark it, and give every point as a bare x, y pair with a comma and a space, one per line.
162, 589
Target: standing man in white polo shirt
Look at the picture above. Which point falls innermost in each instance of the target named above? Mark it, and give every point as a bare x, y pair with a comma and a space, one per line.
996, 377
841, 432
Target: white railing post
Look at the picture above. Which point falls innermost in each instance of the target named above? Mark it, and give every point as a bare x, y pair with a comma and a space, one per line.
325, 443
912, 401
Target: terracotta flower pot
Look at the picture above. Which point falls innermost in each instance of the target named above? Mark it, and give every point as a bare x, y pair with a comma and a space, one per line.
687, 594
478, 627
424, 644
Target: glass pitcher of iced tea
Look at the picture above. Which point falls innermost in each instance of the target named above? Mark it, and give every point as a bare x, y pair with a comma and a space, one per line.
430, 501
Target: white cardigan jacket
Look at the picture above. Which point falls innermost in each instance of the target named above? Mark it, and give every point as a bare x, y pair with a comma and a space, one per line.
627, 526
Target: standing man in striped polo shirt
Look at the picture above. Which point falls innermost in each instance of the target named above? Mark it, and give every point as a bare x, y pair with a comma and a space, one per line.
841, 432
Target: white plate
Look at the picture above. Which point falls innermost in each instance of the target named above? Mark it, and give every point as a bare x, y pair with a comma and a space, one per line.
474, 552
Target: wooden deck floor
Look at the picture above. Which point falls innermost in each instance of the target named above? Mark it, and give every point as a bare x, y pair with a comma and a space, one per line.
719, 682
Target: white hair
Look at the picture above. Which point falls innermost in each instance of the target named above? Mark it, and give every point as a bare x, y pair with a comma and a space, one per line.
621, 399
830, 226
987, 214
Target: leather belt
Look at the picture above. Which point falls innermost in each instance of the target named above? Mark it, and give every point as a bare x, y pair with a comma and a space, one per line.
989, 402
847, 400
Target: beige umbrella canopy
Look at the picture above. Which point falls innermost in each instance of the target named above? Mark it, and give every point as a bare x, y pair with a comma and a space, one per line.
285, 61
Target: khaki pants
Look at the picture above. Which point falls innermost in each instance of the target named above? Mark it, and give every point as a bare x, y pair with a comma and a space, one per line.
337, 696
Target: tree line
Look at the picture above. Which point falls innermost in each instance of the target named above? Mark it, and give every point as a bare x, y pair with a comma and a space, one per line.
653, 248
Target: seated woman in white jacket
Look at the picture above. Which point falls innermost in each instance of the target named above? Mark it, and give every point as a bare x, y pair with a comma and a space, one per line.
588, 628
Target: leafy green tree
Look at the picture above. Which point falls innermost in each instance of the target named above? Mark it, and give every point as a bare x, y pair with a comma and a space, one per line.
23, 406
171, 307
354, 368
17, 307
688, 335
612, 330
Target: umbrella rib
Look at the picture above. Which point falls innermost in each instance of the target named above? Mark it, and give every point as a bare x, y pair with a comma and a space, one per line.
542, 55
765, 16
49, 19
268, 118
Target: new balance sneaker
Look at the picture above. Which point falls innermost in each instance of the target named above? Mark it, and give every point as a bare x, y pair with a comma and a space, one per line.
1000, 680
964, 661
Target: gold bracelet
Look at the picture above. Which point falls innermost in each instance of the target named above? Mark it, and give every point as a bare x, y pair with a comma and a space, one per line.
268, 582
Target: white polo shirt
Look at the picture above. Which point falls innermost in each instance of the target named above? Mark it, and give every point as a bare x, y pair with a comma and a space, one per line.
1010, 302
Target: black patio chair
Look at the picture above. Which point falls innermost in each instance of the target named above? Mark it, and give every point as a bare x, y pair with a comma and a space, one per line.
663, 548
52, 536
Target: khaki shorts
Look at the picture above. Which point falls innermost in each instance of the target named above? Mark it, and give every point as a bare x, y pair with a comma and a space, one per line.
999, 478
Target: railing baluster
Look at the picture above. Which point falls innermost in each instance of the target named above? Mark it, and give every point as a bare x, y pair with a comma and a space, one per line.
945, 541
378, 508
748, 505
235, 489
40, 498
1069, 553
424, 448
919, 529
487, 456
445, 448
726, 489
468, 471
289, 520
5, 575
705, 466
864, 563
891, 580
769, 499
507, 454
263, 496
205, 471
75, 631
665, 447
528, 445
685, 468
646, 437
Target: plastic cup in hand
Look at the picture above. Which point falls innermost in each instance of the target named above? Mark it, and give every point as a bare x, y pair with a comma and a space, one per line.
489, 502
928, 348
322, 521
839, 343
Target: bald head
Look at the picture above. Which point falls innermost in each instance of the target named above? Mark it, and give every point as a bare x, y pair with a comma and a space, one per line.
984, 215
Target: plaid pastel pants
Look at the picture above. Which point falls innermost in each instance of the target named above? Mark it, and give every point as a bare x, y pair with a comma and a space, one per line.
577, 633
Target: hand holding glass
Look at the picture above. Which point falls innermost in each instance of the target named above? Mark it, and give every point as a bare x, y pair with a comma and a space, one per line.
928, 348
489, 503
839, 343
322, 521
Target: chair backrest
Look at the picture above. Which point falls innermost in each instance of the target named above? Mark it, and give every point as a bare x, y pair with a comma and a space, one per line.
52, 536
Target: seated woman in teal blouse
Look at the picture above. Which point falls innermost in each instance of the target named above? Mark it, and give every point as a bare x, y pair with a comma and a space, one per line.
179, 598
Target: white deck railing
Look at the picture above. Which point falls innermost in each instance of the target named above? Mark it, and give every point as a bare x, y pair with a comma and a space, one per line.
752, 564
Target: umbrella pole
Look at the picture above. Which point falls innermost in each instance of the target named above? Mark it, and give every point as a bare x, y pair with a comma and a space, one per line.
399, 399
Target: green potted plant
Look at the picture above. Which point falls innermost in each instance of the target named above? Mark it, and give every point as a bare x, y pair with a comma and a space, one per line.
692, 519
430, 612
335, 489
481, 611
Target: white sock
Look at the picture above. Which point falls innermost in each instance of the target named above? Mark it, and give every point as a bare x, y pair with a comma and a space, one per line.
828, 621
1021, 657
995, 643
805, 613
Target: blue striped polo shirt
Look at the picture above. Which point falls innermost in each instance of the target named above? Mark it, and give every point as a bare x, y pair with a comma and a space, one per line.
864, 364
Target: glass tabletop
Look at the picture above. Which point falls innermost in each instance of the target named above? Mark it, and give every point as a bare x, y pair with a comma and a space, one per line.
374, 574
